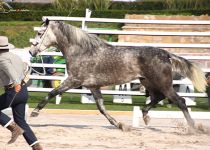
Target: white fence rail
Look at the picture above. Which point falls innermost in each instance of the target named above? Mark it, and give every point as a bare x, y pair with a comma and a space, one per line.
132, 21
111, 92
83, 20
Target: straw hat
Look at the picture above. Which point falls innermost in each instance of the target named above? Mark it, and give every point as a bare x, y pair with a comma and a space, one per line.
4, 43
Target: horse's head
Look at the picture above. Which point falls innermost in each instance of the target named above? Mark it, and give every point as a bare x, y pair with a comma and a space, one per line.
44, 39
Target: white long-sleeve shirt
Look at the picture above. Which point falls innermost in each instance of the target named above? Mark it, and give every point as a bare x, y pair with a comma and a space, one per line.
11, 69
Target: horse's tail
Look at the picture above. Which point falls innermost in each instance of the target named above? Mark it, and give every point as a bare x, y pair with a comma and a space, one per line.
190, 70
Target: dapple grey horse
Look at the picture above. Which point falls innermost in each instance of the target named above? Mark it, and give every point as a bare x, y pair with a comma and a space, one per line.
93, 63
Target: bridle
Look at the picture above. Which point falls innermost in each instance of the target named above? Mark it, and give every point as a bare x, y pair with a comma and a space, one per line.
38, 49
41, 41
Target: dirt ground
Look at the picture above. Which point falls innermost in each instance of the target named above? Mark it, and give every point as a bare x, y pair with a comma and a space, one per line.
93, 132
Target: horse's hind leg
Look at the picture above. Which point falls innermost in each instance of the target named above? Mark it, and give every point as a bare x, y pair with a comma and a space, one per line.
99, 102
172, 95
155, 99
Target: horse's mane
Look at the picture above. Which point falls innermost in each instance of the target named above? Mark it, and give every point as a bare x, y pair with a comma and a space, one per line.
80, 37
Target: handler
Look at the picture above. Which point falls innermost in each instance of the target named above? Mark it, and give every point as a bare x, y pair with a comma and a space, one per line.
208, 87
12, 73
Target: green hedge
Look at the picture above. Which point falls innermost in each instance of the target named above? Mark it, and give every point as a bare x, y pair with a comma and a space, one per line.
32, 6
151, 5
161, 5
155, 5
37, 15
142, 5
117, 10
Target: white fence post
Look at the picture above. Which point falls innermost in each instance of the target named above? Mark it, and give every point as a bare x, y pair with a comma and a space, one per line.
58, 99
187, 88
87, 15
136, 116
87, 98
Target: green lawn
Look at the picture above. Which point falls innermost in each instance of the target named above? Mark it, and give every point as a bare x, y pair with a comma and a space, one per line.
19, 32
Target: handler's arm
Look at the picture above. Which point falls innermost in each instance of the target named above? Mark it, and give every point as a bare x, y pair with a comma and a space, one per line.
208, 80
12, 74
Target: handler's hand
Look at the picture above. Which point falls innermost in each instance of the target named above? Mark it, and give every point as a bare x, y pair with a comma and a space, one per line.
208, 80
17, 88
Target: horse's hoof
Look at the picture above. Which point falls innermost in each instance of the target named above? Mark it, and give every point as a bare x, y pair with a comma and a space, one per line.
191, 131
201, 128
198, 129
34, 113
124, 127
146, 119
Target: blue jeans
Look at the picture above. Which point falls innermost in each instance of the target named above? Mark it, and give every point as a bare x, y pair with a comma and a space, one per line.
208, 94
18, 110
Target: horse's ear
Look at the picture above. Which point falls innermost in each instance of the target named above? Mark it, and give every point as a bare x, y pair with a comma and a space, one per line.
47, 22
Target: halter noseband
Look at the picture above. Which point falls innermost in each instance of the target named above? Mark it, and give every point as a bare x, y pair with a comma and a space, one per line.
40, 41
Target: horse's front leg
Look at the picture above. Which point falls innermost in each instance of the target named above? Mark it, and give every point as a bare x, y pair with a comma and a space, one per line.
64, 86
99, 102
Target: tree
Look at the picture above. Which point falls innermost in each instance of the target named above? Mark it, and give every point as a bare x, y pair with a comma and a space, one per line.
1, 6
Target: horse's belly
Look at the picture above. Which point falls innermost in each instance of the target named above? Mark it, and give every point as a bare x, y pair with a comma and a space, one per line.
115, 71
100, 80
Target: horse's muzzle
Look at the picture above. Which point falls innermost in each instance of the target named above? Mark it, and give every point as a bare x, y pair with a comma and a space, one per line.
32, 52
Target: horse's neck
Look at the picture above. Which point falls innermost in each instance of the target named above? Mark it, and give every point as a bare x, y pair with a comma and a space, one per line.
70, 46
64, 52
69, 52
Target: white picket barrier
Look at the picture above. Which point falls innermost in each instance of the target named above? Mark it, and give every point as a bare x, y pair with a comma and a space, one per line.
123, 98
137, 115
